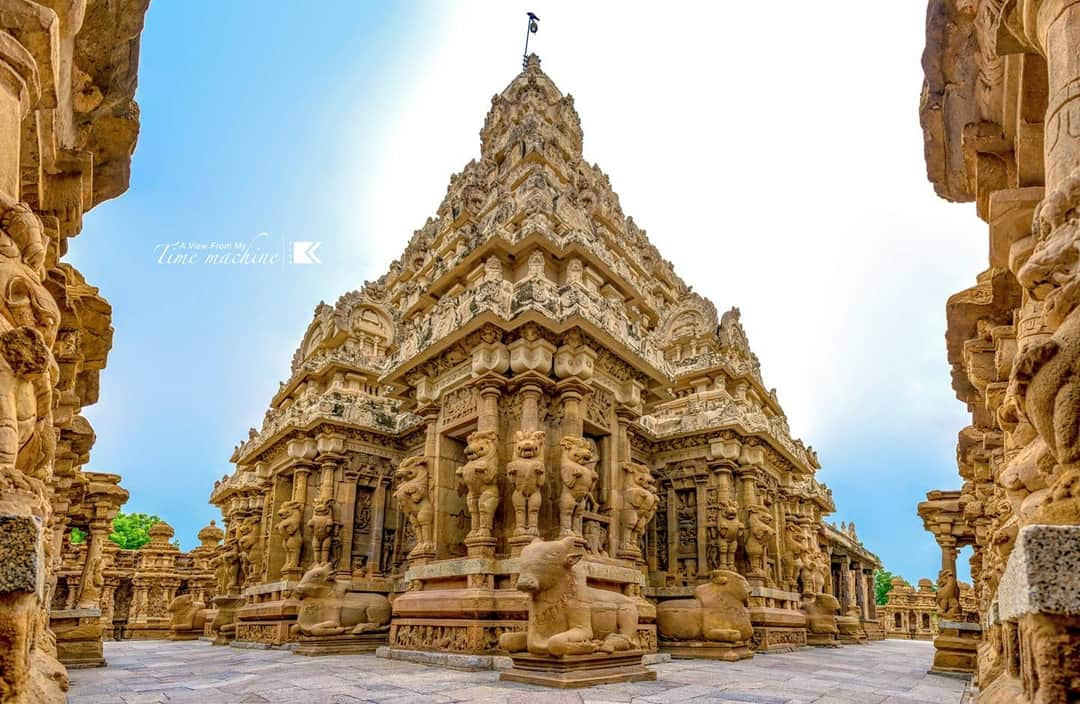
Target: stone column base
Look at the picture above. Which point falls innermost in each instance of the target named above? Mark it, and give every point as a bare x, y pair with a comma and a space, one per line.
955, 648
78, 637
851, 632
709, 650
578, 670
823, 640
344, 644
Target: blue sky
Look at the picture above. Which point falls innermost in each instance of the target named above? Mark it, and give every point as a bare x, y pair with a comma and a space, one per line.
790, 158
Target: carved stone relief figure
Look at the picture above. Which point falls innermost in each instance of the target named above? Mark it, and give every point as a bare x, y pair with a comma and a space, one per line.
728, 529
795, 548
322, 529
578, 478
250, 550
759, 531
480, 476
527, 473
29, 320
596, 539
639, 506
290, 516
948, 596
413, 495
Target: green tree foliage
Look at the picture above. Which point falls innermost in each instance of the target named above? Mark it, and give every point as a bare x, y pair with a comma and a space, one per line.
882, 585
132, 530
77, 535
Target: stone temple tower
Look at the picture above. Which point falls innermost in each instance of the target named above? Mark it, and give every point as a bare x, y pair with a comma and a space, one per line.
530, 367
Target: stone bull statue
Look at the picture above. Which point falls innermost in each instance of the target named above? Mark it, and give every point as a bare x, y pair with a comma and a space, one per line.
186, 615
328, 609
719, 612
567, 617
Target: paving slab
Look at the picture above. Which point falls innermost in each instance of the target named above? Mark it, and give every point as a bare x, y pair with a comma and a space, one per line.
147, 672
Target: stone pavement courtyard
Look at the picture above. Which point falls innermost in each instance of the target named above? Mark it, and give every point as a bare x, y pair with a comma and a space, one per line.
886, 672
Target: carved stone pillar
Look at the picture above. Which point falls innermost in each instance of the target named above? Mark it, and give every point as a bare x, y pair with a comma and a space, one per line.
92, 579
345, 503
378, 521
702, 524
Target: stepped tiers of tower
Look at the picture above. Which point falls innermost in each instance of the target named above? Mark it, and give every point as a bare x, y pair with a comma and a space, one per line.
532, 370
999, 112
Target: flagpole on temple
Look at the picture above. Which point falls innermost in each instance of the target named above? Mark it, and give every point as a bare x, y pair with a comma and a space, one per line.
530, 29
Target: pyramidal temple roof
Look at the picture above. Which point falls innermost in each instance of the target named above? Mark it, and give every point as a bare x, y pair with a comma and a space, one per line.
532, 232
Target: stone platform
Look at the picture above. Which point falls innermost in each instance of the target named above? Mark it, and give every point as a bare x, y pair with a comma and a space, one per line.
884, 672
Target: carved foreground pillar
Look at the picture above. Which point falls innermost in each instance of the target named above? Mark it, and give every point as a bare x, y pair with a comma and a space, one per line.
1000, 111
67, 128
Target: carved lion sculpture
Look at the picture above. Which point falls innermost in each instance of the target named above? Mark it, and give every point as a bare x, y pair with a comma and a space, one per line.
728, 527
948, 595
528, 473
719, 612
250, 552
290, 516
480, 476
795, 548
577, 477
322, 529
567, 617
640, 502
759, 532
328, 609
186, 614
415, 502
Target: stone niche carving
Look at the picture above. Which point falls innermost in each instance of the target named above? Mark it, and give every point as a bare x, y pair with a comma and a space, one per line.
414, 497
714, 624
480, 477
578, 477
528, 473
327, 608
